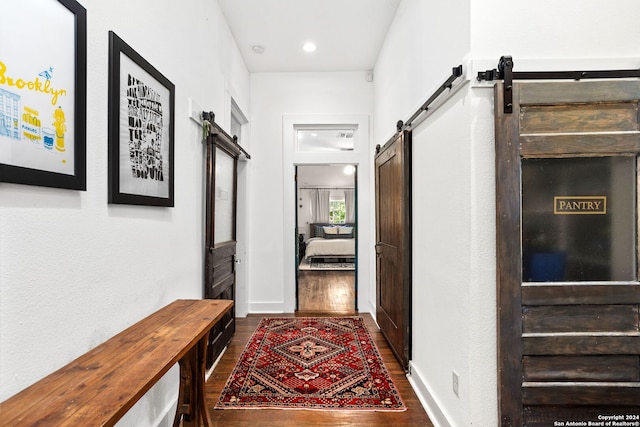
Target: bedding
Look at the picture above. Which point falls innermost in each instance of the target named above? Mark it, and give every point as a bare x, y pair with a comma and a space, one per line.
319, 247
330, 242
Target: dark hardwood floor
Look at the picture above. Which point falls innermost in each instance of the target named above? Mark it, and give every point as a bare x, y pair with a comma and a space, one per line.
330, 291
415, 416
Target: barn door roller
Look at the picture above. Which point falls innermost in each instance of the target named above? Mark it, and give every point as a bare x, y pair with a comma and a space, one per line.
505, 72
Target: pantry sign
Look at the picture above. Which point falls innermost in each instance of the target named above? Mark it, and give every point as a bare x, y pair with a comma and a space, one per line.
42, 93
580, 205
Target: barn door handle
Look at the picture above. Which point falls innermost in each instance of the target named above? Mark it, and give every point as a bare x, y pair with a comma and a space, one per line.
378, 248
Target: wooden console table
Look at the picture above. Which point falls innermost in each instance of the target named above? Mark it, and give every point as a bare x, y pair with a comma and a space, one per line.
99, 387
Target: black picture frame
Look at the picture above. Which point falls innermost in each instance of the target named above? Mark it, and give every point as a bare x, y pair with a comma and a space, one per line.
141, 144
70, 144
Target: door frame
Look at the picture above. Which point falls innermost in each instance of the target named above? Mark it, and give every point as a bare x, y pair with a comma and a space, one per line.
361, 158
242, 236
296, 201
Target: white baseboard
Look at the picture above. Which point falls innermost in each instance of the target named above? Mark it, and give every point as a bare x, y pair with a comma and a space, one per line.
213, 366
430, 404
367, 307
266, 307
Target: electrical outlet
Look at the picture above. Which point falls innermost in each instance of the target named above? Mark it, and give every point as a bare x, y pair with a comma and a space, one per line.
455, 383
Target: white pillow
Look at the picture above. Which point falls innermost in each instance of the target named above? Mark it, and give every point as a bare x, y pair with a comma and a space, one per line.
345, 230
330, 230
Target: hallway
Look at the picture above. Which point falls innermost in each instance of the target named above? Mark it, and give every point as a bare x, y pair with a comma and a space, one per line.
414, 416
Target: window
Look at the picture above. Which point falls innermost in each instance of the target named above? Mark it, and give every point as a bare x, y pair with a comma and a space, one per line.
326, 138
336, 211
224, 205
579, 220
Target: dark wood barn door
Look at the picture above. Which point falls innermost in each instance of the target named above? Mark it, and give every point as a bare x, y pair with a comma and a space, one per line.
220, 233
393, 244
567, 247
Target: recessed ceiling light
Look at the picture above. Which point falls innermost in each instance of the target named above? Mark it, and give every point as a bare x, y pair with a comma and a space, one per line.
257, 49
309, 47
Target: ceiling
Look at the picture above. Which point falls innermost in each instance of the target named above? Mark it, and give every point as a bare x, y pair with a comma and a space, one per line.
348, 33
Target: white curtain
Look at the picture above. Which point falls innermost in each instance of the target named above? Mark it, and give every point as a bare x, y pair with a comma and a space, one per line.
350, 205
320, 205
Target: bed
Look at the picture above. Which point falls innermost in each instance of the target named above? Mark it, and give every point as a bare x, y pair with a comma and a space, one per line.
330, 243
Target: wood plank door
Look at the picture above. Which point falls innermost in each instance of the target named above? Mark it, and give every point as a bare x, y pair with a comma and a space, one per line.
393, 244
567, 253
220, 234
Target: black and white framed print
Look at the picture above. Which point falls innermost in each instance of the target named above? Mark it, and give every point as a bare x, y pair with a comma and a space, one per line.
43, 75
141, 129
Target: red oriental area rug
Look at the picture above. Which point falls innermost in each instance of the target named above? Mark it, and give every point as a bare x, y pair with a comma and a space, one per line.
323, 363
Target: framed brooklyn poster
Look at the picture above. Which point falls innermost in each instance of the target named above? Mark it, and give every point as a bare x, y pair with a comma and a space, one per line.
141, 129
43, 74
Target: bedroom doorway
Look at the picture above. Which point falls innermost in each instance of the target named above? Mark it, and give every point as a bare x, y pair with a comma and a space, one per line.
326, 238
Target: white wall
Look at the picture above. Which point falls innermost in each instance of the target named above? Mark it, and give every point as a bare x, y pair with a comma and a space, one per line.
275, 99
75, 270
454, 198
569, 30
426, 40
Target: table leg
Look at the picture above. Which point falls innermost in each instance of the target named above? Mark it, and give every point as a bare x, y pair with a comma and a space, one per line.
201, 381
192, 399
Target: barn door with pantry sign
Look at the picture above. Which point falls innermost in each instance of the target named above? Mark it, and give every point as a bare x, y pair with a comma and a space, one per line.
567, 253
220, 233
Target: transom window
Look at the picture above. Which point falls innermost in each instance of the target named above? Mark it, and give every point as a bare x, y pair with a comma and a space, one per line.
322, 139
